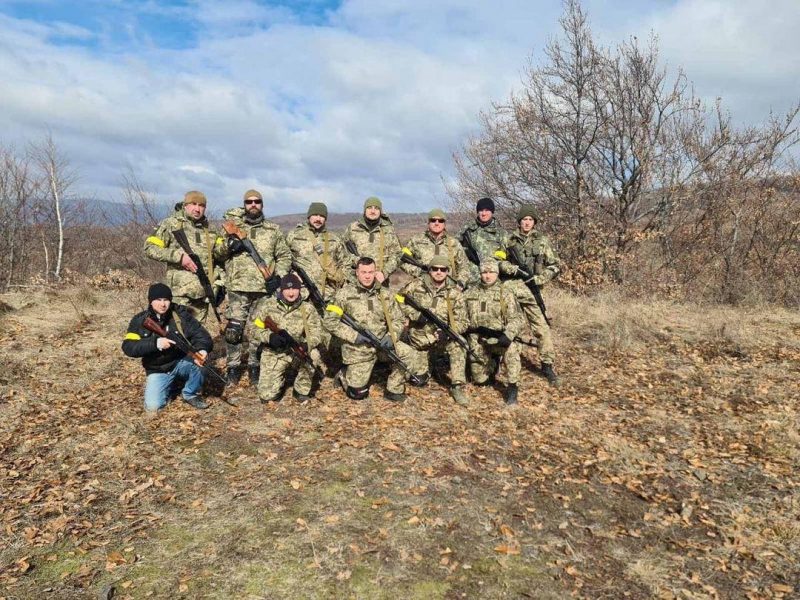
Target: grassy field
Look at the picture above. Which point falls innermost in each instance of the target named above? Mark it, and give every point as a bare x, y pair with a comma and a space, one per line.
667, 465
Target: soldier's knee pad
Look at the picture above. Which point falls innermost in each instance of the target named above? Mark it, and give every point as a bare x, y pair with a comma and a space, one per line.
234, 331
357, 393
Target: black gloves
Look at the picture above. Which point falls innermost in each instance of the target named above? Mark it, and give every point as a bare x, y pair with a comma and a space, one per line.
272, 284
361, 340
235, 245
503, 341
386, 342
279, 341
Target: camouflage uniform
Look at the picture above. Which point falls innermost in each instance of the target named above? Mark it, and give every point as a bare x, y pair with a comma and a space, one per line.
321, 254
245, 282
302, 322
424, 247
204, 241
446, 302
378, 241
495, 307
372, 308
487, 239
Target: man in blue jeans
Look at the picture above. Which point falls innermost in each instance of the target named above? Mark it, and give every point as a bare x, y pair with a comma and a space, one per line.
167, 366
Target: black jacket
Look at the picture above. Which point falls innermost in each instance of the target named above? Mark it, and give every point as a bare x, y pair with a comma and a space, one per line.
141, 343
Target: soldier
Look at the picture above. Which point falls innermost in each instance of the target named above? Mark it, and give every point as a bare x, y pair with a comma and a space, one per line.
487, 238
373, 235
245, 282
300, 320
436, 242
374, 307
495, 320
204, 241
433, 290
539, 258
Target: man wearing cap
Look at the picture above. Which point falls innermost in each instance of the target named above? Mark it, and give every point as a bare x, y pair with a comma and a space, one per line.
487, 238
436, 242
245, 282
494, 320
539, 257
434, 291
204, 241
300, 320
373, 236
167, 366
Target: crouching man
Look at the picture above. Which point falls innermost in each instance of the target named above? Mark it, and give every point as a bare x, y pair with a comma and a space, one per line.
168, 367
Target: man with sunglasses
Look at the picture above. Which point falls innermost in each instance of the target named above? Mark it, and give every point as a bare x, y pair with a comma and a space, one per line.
436, 292
436, 242
204, 241
245, 282
373, 236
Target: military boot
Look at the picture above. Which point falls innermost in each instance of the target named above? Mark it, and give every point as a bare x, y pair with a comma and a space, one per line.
253, 371
420, 380
550, 374
196, 402
511, 394
302, 398
233, 376
394, 397
457, 394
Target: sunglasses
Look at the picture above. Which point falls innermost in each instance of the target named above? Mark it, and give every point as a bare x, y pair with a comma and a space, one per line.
435, 220
438, 268
252, 201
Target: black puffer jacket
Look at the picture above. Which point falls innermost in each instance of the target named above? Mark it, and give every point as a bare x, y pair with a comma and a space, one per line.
141, 343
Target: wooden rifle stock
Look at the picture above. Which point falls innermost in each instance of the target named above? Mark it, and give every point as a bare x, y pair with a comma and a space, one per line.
233, 230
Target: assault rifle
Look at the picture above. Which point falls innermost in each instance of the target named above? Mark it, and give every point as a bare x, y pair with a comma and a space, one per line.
488, 332
266, 271
351, 248
513, 254
373, 341
408, 258
208, 289
469, 248
182, 343
438, 321
295, 346
313, 291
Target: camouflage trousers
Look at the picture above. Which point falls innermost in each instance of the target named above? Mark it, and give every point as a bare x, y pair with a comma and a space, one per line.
538, 326
419, 354
241, 306
197, 306
274, 366
483, 368
360, 360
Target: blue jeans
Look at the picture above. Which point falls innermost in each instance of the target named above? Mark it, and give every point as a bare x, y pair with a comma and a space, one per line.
159, 386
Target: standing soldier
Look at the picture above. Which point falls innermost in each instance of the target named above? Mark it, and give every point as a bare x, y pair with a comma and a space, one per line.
373, 307
540, 259
483, 238
443, 298
203, 240
495, 320
435, 242
373, 236
298, 320
246, 283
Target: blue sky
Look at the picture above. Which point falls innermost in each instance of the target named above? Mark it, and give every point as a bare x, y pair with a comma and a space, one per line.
330, 101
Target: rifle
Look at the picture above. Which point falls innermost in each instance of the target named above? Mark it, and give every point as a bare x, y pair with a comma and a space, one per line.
469, 248
313, 291
266, 271
373, 341
438, 321
513, 254
295, 346
351, 248
488, 332
208, 289
408, 258
182, 343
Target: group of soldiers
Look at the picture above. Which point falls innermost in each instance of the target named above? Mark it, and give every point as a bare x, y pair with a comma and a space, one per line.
314, 299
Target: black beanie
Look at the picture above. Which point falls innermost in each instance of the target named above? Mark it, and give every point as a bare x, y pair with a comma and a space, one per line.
291, 281
159, 290
485, 204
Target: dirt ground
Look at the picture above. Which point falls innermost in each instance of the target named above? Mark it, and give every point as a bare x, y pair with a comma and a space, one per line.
667, 465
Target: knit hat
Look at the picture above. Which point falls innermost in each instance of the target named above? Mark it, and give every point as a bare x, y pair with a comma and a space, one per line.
440, 261
317, 208
373, 201
291, 281
527, 210
436, 213
158, 291
252, 194
490, 266
485, 204
195, 197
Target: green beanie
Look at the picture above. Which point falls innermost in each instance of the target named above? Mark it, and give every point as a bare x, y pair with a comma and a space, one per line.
317, 208
437, 213
373, 201
527, 210
440, 260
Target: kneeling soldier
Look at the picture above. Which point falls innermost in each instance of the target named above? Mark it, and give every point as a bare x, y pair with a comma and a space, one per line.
434, 291
296, 320
166, 364
495, 320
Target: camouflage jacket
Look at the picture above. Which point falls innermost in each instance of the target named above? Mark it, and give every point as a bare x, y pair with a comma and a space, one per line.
487, 240
299, 319
321, 254
379, 242
424, 247
371, 307
204, 241
446, 302
537, 253
495, 307
241, 272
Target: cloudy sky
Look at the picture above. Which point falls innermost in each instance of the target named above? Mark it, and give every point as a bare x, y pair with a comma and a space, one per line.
321, 100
